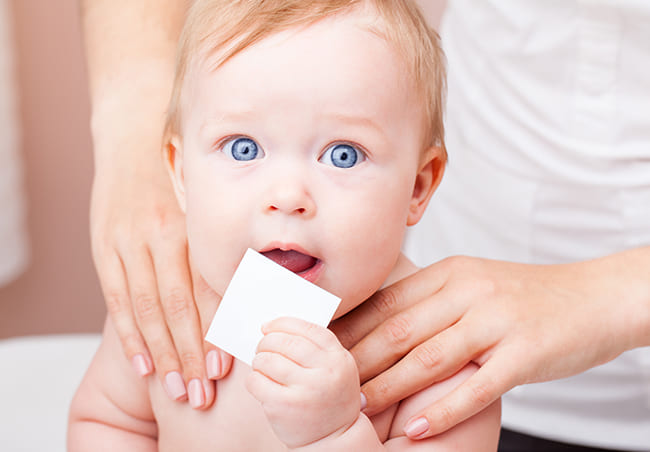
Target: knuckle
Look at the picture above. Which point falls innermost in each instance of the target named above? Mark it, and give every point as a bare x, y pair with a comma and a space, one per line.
481, 394
428, 355
115, 303
385, 301
165, 360
446, 417
130, 342
312, 329
453, 262
145, 305
488, 287
331, 340
398, 330
380, 388
345, 333
176, 304
288, 343
191, 362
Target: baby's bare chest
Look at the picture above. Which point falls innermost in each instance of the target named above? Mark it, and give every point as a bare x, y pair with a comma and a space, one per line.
234, 423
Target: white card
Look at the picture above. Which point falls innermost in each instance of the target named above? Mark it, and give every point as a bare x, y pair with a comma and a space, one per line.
259, 292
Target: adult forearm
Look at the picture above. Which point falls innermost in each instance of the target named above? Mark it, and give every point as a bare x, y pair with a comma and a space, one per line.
624, 280
130, 49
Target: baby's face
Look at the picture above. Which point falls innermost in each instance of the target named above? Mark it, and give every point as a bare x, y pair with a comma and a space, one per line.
305, 147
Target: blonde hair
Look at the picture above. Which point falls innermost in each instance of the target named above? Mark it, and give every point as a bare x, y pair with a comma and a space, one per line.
231, 26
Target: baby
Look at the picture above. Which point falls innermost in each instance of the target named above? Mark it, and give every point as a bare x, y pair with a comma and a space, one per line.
310, 131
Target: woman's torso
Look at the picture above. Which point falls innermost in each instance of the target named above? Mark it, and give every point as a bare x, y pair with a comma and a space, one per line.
548, 131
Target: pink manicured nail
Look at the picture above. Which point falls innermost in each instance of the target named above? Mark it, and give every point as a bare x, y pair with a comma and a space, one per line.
141, 365
364, 401
195, 389
416, 427
175, 386
213, 364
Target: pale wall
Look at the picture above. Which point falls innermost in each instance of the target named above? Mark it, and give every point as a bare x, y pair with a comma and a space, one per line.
59, 292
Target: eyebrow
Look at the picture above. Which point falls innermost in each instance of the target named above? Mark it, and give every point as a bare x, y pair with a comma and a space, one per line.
230, 116
356, 120
247, 114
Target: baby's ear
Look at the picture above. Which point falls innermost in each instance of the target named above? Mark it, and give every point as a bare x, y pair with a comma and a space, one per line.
174, 162
430, 171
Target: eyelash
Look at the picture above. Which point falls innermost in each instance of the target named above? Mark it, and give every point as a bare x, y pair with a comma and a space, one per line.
360, 156
220, 145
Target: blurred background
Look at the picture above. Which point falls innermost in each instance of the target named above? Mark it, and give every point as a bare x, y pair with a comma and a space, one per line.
56, 290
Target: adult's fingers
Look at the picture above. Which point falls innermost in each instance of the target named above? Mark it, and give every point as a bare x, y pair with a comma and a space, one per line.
352, 327
218, 362
434, 360
182, 318
473, 395
399, 334
151, 320
118, 303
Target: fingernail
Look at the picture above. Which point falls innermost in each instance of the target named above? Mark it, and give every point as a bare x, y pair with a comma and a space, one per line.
141, 365
416, 427
175, 386
213, 364
195, 389
364, 401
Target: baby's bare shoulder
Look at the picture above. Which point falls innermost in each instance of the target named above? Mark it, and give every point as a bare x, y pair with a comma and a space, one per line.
112, 402
478, 433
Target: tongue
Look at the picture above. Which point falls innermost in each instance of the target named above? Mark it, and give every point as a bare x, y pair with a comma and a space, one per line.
291, 260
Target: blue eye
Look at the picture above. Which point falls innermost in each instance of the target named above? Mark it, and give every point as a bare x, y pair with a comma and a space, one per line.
242, 149
342, 156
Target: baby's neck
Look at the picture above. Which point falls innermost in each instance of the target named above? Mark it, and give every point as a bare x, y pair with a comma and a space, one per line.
403, 268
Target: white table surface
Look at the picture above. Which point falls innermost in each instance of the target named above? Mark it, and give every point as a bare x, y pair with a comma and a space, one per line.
38, 377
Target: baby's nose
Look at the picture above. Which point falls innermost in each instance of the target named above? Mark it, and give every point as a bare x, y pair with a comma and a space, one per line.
291, 196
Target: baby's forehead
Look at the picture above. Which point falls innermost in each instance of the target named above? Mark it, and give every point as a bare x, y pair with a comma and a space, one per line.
342, 51
211, 54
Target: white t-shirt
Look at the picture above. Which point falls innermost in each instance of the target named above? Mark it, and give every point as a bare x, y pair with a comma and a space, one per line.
548, 132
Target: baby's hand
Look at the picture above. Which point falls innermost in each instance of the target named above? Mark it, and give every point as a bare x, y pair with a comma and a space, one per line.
307, 383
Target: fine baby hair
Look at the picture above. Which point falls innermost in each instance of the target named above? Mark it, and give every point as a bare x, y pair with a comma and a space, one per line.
217, 30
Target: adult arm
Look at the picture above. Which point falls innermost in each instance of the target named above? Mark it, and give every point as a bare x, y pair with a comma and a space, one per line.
138, 233
520, 323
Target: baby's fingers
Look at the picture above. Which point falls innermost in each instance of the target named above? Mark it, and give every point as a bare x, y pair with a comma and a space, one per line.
278, 368
298, 349
317, 334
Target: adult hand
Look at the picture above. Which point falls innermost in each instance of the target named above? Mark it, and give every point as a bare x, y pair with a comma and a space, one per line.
139, 246
520, 323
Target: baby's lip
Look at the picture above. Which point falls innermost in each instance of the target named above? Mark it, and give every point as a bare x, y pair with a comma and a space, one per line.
291, 259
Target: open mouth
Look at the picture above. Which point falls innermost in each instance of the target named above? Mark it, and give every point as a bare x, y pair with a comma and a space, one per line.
292, 260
